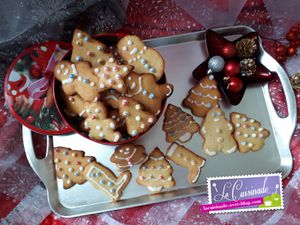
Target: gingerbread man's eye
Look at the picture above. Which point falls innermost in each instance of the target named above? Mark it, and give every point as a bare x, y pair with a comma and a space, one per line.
219, 113
213, 114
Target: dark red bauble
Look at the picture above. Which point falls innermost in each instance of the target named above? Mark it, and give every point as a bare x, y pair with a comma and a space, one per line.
294, 29
291, 51
291, 36
30, 119
35, 71
295, 44
234, 84
281, 58
280, 50
232, 68
228, 50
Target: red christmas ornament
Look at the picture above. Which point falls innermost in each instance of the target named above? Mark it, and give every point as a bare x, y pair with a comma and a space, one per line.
280, 50
232, 68
291, 51
30, 119
234, 84
291, 36
35, 71
295, 30
228, 51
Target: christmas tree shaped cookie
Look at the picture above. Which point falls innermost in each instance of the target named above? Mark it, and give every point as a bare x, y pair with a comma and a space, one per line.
203, 96
249, 133
69, 165
217, 133
178, 125
137, 120
156, 172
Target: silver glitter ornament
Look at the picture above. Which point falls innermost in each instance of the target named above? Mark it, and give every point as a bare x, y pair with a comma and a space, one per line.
215, 64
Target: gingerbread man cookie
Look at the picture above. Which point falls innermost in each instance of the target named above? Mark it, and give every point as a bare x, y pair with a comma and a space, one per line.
249, 133
75, 106
69, 165
104, 179
217, 133
184, 157
77, 78
88, 49
178, 125
102, 129
111, 75
137, 120
111, 98
144, 89
203, 96
127, 155
156, 172
143, 58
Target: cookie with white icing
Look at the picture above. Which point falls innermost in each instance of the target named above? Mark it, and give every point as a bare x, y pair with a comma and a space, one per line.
143, 58
128, 155
105, 180
249, 133
156, 172
102, 129
77, 79
184, 157
76, 106
144, 89
178, 125
85, 48
111, 98
217, 133
203, 96
111, 76
137, 119
69, 165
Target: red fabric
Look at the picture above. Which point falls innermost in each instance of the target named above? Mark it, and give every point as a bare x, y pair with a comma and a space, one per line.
21, 191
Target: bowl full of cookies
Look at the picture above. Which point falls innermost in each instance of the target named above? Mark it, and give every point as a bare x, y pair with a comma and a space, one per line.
111, 88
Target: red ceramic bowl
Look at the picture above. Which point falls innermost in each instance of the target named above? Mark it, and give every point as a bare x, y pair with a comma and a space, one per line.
109, 40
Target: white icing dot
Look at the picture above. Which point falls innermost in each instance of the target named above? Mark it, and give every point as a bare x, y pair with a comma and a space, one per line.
145, 47
253, 135
137, 106
115, 69
142, 52
92, 84
211, 77
246, 135
251, 120
260, 129
237, 125
129, 42
118, 76
143, 126
101, 135
111, 82
125, 69
58, 71
130, 61
99, 48
261, 135
124, 48
150, 120
238, 133
134, 59
79, 78
120, 85
253, 128
96, 70
112, 125
237, 116
133, 51
79, 35
102, 85
111, 60
244, 119
250, 145
243, 143
98, 127
138, 118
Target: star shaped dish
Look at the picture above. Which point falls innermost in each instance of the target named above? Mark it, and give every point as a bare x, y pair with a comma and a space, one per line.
233, 64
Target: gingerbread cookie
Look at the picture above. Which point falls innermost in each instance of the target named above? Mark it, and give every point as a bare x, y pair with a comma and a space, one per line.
111, 98
127, 155
178, 125
69, 165
104, 179
111, 75
75, 106
184, 157
217, 133
137, 120
121, 123
102, 129
249, 133
143, 58
77, 78
203, 96
88, 49
156, 172
144, 89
